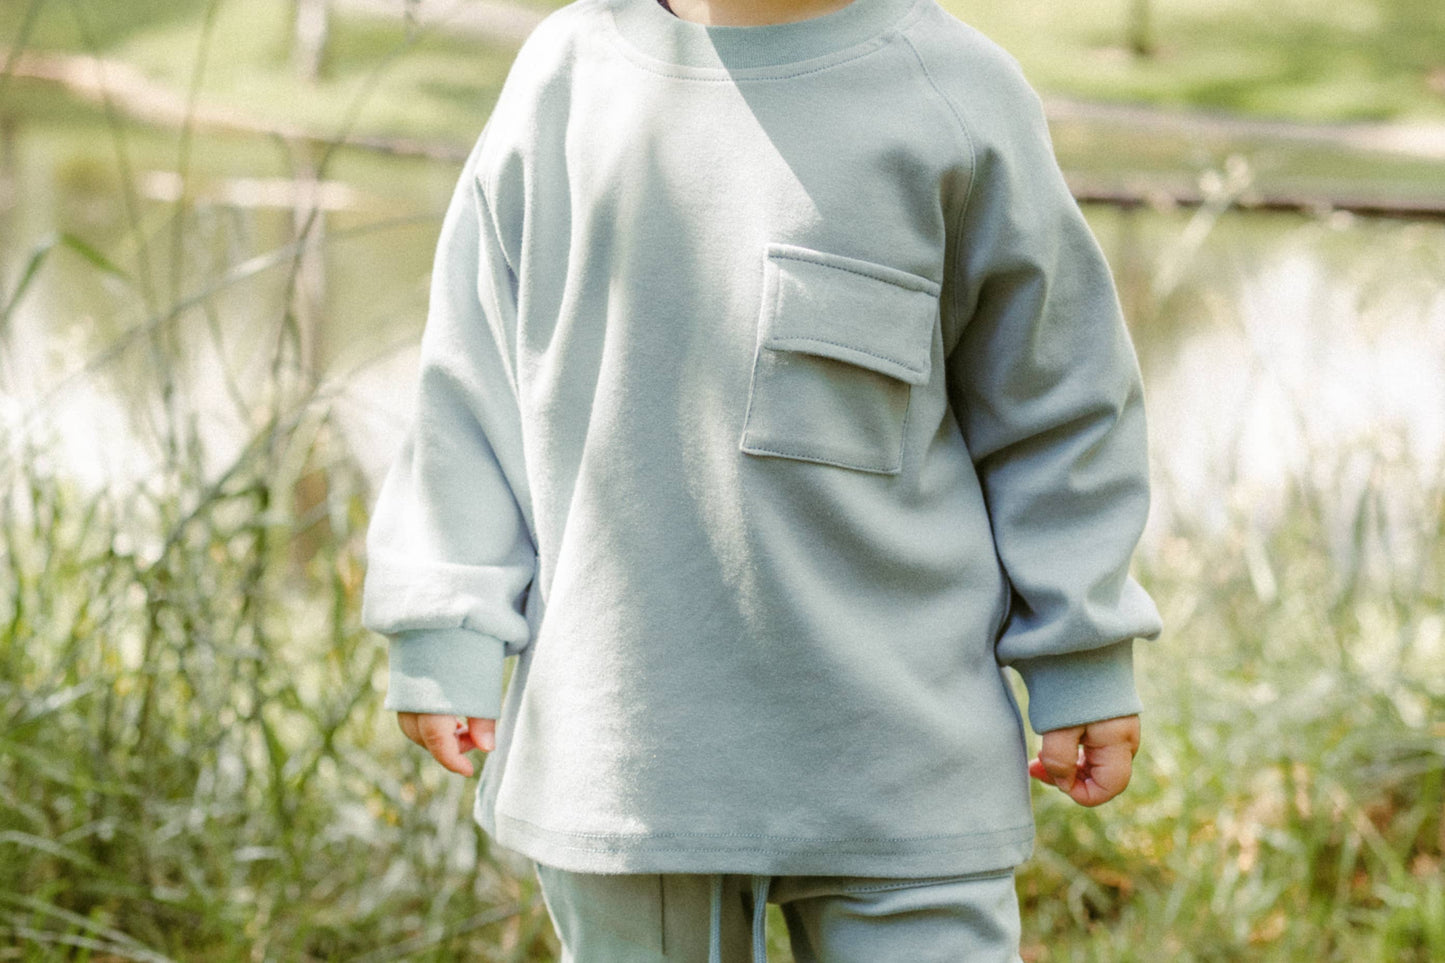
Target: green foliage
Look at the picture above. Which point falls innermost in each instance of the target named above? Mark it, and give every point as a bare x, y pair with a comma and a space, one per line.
1297, 59
429, 84
1287, 803
194, 762
1345, 60
60, 23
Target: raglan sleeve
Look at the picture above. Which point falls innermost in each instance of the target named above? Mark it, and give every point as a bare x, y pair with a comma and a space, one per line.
449, 546
1046, 386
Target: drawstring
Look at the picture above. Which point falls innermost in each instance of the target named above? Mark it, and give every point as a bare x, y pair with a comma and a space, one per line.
760, 918
714, 946
759, 924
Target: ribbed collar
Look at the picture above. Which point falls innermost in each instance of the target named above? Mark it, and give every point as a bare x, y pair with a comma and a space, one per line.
662, 36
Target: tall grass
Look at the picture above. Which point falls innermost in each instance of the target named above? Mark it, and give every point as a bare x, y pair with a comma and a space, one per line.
1287, 803
194, 763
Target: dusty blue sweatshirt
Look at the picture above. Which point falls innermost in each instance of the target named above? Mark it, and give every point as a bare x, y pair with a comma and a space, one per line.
774, 394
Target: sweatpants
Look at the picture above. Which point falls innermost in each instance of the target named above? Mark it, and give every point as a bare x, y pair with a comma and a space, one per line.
720, 917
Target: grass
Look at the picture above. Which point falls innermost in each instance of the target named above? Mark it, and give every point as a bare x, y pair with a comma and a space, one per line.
437, 87
194, 762
1343, 61
1288, 800
1296, 59
1361, 59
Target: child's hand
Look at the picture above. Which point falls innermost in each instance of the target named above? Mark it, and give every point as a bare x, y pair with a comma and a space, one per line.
447, 739
1091, 763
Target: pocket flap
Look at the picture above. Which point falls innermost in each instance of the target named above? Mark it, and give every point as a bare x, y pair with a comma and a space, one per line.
862, 312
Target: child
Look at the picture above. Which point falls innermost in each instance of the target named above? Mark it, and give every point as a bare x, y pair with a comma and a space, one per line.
774, 395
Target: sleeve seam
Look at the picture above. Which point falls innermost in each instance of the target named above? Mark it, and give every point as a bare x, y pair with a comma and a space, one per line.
951, 275
493, 312
491, 218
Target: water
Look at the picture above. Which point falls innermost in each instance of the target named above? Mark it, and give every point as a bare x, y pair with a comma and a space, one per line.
1295, 355
1278, 351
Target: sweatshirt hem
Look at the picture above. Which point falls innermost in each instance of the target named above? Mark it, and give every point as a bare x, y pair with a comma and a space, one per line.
902, 856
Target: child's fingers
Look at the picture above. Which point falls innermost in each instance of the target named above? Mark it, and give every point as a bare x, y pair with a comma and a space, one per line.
481, 734
464, 737
1037, 770
439, 736
447, 738
1111, 732
1105, 774
1107, 760
1091, 763
1059, 757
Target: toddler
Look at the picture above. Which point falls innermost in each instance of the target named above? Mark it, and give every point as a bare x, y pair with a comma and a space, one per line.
774, 396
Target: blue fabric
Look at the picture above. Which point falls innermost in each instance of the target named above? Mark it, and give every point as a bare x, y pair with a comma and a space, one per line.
714, 945
691, 918
774, 396
759, 920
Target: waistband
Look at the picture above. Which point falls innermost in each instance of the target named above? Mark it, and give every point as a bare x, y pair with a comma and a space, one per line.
759, 928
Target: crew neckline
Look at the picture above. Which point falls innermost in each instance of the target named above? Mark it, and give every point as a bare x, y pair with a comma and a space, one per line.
663, 36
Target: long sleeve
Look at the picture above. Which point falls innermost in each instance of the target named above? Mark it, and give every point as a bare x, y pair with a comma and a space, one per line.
450, 554
1046, 386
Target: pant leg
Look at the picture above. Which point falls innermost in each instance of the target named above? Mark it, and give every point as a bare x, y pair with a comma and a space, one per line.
643, 918
664, 918
604, 919
973, 918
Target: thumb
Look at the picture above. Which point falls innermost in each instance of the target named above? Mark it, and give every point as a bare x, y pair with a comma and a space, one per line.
1058, 760
480, 734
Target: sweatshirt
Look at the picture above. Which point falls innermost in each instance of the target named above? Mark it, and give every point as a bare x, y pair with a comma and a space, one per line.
774, 396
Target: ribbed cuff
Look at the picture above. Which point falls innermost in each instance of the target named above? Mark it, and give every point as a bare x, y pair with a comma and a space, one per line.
1080, 687
445, 671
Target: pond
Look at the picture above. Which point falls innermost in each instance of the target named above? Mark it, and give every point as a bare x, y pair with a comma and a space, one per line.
1278, 351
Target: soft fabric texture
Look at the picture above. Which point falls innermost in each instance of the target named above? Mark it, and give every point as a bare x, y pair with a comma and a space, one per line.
692, 918
774, 394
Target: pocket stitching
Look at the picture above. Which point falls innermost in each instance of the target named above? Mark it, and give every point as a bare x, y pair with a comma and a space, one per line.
906, 282
793, 252
922, 285
773, 340
892, 468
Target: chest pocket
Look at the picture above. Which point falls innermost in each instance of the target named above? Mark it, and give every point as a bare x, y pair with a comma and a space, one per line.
842, 342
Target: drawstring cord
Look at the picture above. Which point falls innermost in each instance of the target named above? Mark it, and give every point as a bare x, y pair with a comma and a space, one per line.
759, 924
760, 918
714, 945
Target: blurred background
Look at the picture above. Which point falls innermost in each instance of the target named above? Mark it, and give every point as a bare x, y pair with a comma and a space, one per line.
216, 228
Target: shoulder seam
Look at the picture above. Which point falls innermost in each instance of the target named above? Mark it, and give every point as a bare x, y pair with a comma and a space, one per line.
972, 164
